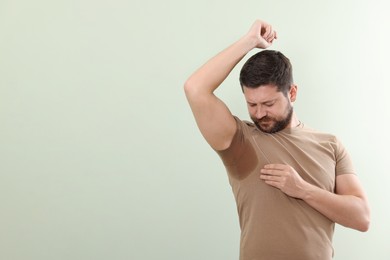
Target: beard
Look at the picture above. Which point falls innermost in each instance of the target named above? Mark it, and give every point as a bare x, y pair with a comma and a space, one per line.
271, 125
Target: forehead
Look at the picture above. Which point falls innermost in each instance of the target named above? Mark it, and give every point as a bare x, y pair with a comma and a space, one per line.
261, 94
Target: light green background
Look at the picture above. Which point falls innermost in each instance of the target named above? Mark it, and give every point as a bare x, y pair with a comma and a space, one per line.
100, 157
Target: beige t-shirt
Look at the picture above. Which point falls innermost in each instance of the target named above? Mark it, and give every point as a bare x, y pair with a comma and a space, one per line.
273, 225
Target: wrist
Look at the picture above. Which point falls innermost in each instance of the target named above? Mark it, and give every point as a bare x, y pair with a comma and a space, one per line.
249, 42
307, 191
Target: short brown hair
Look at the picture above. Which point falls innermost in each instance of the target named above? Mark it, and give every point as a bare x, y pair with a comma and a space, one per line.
267, 67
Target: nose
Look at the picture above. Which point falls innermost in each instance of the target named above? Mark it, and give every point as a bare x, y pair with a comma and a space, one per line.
260, 112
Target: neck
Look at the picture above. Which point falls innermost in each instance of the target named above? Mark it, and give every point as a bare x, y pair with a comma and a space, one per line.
294, 121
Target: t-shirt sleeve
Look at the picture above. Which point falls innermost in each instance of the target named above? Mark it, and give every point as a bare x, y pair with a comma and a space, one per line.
240, 157
231, 154
344, 163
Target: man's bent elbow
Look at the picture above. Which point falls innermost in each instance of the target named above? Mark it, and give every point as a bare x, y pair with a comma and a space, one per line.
364, 225
193, 91
189, 87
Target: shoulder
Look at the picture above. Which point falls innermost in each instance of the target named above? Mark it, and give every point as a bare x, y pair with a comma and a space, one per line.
245, 126
319, 135
326, 139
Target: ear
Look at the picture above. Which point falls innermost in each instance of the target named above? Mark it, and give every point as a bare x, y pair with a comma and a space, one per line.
293, 92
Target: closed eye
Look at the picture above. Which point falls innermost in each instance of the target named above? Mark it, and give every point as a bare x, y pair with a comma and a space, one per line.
269, 104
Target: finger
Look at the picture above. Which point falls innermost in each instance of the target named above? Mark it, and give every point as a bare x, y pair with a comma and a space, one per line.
265, 31
272, 172
270, 178
273, 184
266, 172
270, 34
273, 36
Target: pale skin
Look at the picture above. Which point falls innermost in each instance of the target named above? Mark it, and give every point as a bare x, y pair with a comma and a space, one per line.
348, 206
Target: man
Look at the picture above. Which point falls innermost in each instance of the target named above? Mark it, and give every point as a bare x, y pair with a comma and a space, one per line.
291, 183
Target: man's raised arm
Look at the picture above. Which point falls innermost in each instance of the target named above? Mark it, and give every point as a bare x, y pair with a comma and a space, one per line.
212, 116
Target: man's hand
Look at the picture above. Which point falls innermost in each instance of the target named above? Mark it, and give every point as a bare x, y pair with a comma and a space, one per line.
262, 33
285, 178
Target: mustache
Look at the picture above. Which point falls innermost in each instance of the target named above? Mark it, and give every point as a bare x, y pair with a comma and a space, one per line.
265, 119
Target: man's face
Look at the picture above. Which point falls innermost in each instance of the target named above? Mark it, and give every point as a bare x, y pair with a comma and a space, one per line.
270, 110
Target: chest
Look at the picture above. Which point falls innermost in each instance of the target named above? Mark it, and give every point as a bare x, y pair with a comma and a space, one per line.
314, 160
